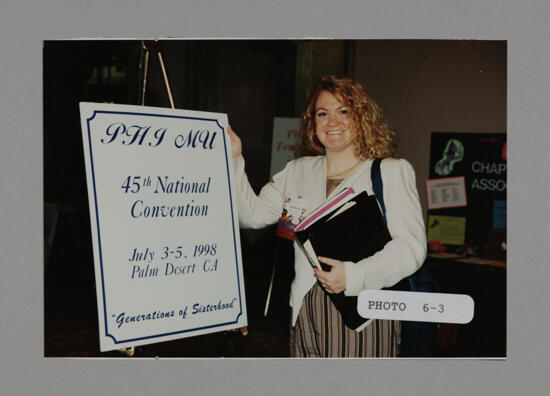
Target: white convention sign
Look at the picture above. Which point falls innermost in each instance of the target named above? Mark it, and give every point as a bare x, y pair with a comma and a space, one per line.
164, 223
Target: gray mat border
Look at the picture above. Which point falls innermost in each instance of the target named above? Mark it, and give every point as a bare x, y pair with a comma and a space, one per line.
23, 24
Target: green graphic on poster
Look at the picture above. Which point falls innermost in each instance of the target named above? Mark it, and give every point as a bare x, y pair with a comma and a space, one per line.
453, 153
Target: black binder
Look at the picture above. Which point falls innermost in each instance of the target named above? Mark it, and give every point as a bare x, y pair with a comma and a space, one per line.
352, 235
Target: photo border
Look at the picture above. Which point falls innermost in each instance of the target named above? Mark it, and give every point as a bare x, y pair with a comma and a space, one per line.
25, 24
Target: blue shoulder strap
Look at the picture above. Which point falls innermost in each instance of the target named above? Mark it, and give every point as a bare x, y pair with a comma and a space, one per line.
377, 186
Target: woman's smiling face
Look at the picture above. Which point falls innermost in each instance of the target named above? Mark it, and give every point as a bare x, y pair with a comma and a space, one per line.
333, 124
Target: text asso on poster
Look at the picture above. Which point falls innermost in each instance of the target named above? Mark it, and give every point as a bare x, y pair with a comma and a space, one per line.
164, 223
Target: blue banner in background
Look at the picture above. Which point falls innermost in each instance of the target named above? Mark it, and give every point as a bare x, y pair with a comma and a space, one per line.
499, 215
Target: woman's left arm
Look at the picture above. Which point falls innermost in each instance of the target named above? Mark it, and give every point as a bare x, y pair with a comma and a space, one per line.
406, 252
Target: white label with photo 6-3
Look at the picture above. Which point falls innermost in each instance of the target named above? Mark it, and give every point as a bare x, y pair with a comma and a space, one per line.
415, 306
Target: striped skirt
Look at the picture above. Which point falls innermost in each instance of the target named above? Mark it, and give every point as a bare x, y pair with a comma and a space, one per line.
320, 332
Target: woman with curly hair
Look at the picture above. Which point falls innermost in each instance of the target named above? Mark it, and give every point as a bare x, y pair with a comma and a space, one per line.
344, 131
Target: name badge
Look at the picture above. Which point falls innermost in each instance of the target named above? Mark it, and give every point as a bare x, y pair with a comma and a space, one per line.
294, 211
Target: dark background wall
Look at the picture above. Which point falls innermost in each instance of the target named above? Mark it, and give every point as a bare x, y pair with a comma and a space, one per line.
434, 85
422, 85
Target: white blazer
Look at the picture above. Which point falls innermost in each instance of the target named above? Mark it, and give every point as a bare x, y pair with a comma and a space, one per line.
305, 178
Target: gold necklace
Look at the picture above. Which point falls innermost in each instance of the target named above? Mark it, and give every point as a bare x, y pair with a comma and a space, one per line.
344, 171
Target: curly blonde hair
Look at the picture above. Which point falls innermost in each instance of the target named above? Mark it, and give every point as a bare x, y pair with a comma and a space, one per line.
373, 136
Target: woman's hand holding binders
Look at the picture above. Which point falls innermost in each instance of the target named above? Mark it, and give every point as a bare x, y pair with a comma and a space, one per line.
334, 281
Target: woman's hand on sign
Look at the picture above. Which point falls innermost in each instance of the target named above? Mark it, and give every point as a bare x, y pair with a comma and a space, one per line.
236, 145
334, 281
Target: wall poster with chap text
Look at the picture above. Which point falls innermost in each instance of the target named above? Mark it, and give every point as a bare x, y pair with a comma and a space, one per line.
467, 179
164, 223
